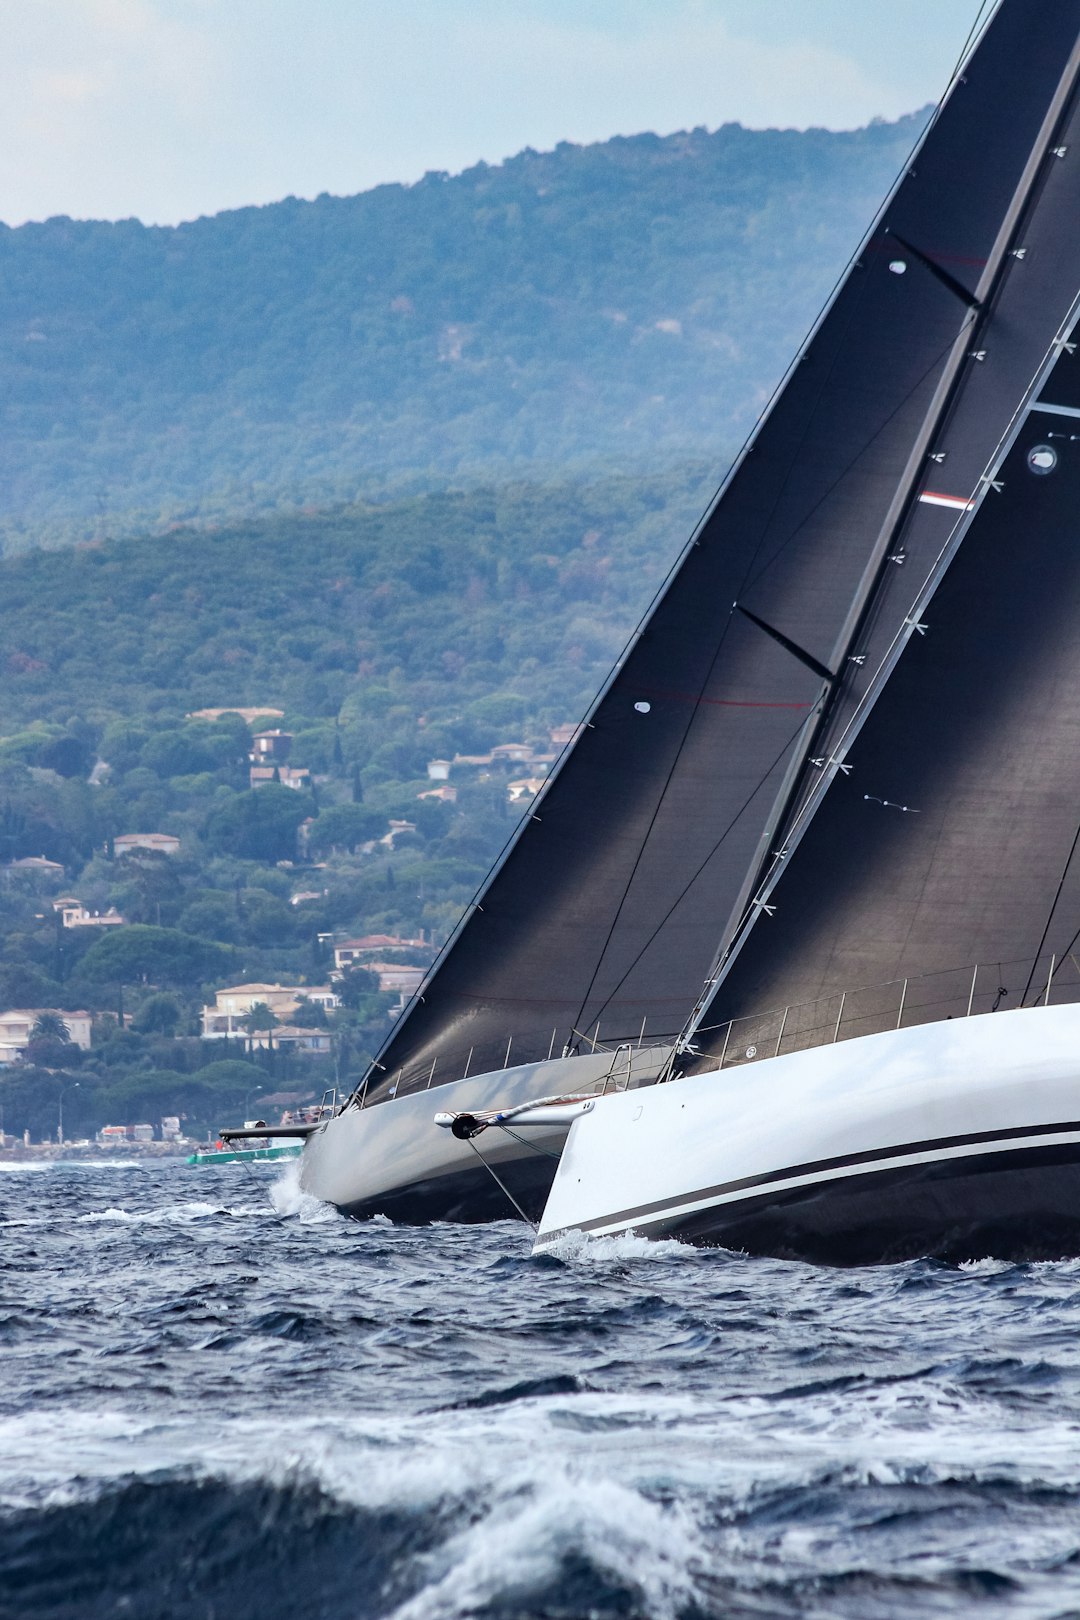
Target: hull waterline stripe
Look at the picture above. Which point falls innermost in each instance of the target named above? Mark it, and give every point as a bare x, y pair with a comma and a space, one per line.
872, 1158
956, 503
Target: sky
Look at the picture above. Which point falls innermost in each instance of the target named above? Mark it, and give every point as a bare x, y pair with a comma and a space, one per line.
169, 109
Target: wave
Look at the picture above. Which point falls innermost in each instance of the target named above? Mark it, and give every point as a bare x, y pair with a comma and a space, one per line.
579, 1249
88, 1165
561, 1541
289, 1198
166, 1215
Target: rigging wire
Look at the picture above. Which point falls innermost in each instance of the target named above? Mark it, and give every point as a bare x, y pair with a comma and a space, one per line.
497, 1179
1050, 917
681, 896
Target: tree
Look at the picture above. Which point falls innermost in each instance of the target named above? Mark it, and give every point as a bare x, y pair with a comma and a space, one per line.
67, 756
258, 1017
261, 1018
310, 1014
259, 825
158, 1015
143, 954
356, 985
50, 1026
344, 826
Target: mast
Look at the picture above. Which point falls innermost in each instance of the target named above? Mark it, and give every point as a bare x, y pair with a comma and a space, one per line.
605, 911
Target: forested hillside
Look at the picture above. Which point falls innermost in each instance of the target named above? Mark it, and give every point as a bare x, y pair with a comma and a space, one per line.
385, 637
630, 302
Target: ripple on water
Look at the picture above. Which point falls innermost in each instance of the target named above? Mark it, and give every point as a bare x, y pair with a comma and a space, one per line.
220, 1397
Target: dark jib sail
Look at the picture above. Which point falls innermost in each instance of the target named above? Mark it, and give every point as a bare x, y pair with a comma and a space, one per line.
605, 913
940, 872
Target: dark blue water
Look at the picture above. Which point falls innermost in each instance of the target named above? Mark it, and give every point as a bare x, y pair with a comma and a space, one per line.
213, 1408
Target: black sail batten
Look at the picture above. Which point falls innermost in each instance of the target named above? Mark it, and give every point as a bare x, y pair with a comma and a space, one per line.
607, 907
1028, 297
976, 725
942, 275
792, 647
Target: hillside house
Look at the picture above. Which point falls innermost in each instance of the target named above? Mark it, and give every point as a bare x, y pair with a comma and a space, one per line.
562, 735
505, 755
73, 914
232, 1005
248, 716
351, 952
288, 775
162, 843
526, 787
270, 747
396, 976
16, 1028
36, 863
445, 794
396, 830
290, 1038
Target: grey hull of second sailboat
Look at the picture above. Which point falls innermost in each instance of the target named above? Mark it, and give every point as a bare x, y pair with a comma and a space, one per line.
392, 1159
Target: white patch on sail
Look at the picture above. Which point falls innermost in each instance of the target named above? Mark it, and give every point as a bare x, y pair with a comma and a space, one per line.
958, 503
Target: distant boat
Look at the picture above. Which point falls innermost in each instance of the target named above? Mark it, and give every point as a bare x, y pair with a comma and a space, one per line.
250, 1155
886, 1059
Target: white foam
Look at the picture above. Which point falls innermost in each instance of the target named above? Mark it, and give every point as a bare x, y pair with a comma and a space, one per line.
170, 1215
520, 1545
289, 1198
523, 1485
578, 1248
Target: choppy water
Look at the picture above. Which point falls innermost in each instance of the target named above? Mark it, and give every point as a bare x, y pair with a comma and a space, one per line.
210, 1407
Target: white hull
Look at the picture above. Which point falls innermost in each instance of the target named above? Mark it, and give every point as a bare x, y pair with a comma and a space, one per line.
392, 1159
960, 1139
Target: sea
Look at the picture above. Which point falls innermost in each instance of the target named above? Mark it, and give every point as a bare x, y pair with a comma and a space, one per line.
220, 1399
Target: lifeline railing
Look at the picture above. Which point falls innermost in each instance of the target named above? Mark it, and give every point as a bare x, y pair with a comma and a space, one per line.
627, 1059
896, 1004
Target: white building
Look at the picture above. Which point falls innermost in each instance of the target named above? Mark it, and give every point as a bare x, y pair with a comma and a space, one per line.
232, 1005
75, 915
17, 1025
164, 843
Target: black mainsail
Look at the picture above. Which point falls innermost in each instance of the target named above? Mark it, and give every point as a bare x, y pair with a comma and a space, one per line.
606, 910
940, 831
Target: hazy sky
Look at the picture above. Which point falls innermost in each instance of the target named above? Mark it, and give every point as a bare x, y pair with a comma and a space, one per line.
166, 109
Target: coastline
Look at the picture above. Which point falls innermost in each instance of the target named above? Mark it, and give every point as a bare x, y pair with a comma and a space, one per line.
43, 1152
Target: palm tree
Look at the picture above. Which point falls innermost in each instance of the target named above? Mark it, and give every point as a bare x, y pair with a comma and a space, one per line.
50, 1026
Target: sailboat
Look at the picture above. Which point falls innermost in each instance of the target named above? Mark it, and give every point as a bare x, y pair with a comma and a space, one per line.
885, 1060
639, 867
